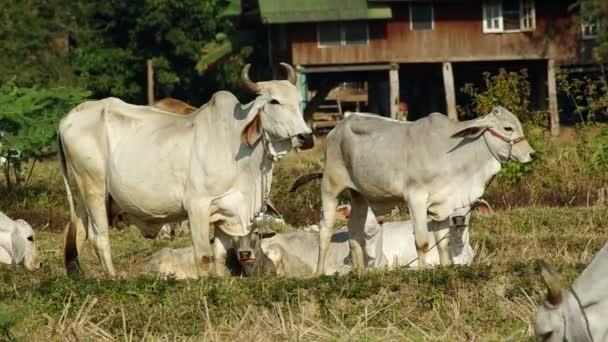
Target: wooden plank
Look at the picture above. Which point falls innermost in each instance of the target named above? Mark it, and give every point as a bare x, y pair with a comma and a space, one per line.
552, 88
450, 93
393, 75
150, 73
344, 68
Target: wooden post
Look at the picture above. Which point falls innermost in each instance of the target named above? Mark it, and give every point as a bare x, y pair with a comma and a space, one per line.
552, 87
450, 92
150, 73
393, 76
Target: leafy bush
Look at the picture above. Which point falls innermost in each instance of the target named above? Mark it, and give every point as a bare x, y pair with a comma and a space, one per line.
508, 89
594, 150
29, 119
588, 95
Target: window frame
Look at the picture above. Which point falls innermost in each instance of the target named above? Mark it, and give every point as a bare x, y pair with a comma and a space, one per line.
498, 5
587, 24
432, 18
343, 42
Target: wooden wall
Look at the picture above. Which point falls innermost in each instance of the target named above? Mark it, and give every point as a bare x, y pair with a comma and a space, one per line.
457, 36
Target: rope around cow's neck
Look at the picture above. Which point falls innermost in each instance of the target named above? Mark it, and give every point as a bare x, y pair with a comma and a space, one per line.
580, 306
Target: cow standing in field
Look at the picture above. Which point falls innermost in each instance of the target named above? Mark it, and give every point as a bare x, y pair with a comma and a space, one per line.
578, 312
212, 166
434, 164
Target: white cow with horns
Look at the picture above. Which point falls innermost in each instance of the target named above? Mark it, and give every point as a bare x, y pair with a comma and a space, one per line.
578, 312
434, 164
211, 166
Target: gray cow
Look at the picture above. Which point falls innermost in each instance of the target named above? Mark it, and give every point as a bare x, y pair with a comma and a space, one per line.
576, 313
434, 164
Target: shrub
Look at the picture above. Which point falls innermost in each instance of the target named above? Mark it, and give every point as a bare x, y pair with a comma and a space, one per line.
28, 122
588, 95
508, 89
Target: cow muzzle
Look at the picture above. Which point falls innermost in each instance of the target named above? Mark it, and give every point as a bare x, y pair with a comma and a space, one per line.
246, 258
306, 141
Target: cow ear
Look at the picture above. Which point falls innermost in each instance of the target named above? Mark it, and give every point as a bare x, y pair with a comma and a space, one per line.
344, 211
471, 132
252, 131
482, 207
554, 282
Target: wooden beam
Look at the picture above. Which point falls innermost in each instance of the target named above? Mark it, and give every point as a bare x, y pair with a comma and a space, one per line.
450, 93
393, 76
344, 68
150, 74
552, 87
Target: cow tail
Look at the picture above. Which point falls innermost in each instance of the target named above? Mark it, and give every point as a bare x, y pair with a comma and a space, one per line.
70, 251
305, 179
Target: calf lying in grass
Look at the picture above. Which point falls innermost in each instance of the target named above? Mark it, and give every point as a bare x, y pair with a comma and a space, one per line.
295, 254
17, 243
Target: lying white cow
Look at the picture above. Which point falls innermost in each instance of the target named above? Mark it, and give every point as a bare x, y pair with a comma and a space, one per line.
576, 313
211, 166
292, 254
434, 164
17, 243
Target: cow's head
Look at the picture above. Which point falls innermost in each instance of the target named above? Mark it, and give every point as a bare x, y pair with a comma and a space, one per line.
24, 246
560, 317
276, 112
247, 248
503, 133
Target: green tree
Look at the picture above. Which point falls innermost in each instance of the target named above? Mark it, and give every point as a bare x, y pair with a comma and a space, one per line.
595, 11
117, 37
28, 122
33, 41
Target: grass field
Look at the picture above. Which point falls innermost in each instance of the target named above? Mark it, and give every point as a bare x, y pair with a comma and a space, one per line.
553, 211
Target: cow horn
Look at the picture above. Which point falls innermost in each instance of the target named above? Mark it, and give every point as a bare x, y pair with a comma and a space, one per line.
246, 82
291, 74
555, 285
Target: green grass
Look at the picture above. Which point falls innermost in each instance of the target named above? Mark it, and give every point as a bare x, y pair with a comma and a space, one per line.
494, 299
551, 213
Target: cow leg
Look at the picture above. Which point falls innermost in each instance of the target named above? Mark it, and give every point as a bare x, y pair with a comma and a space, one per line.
98, 231
329, 194
76, 235
442, 240
198, 219
221, 243
418, 211
356, 230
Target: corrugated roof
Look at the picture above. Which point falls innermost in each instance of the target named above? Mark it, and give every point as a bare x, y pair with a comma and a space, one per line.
296, 11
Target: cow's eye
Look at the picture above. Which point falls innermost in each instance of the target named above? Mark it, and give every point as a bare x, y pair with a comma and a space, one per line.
508, 129
274, 102
30, 238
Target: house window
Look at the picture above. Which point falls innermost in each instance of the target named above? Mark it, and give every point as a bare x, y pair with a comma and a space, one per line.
344, 33
589, 27
508, 16
421, 16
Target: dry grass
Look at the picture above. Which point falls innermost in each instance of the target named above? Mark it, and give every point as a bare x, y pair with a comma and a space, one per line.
494, 299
